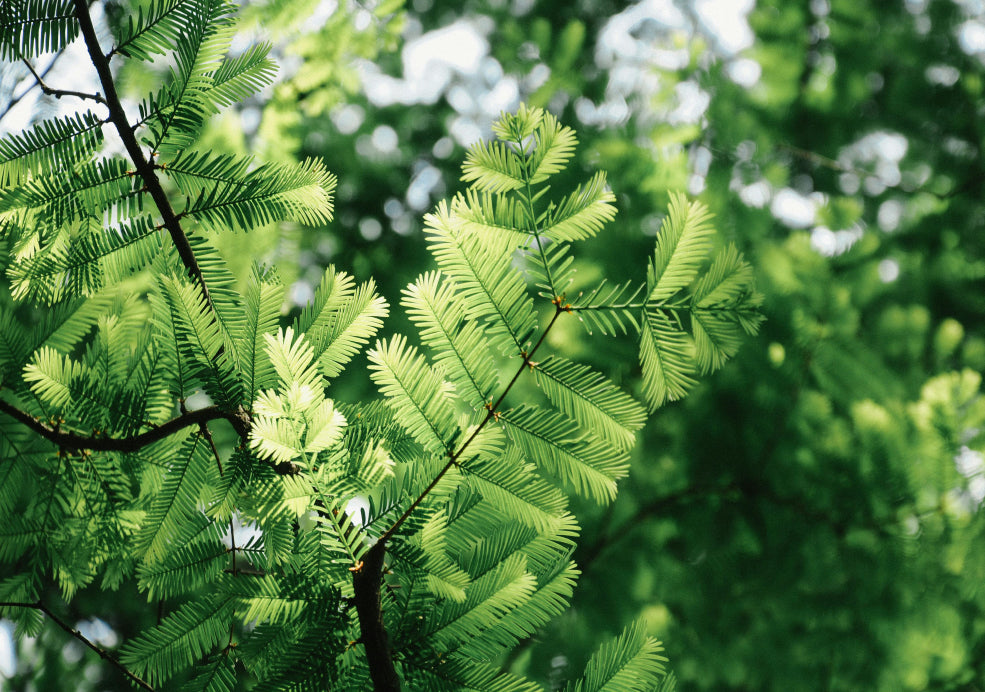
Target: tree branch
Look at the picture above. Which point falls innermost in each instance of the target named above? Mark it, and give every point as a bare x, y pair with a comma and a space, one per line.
74, 441
105, 655
492, 413
58, 93
144, 167
367, 581
367, 575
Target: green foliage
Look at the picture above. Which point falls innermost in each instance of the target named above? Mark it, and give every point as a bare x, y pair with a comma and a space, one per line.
631, 662
150, 399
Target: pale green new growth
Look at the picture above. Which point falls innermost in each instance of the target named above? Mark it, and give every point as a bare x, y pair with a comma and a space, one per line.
419, 537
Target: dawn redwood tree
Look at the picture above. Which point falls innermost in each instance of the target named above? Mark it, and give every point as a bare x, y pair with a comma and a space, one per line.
409, 541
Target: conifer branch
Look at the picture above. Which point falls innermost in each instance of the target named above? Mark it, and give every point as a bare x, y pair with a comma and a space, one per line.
74, 441
105, 655
367, 576
490, 415
145, 168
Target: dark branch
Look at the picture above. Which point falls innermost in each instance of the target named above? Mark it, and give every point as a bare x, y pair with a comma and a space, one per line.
58, 93
74, 441
144, 167
105, 655
367, 581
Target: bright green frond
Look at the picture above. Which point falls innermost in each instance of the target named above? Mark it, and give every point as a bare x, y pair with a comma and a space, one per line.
91, 190
295, 425
265, 599
460, 674
342, 319
444, 578
632, 662
488, 600
183, 570
591, 399
728, 279
176, 114
296, 422
516, 127
270, 193
581, 214
552, 267
609, 308
514, 489
558, 445
181, 639
54, 377
553, 147
716, 339
499, 215
158, 26
723, 309
494, 167
167, 339
488, 284
192, 171
81, 263
217, 674
240, 77
683, 244
335, 289
201, 342
343, 539
459, 345
545, 603
61, 327
224, 293
29, 28
419, 397
55, 145
292, 359
174, 516
262, 304
667, 357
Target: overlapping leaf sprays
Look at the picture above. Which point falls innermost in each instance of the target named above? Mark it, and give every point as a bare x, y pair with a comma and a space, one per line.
108, 475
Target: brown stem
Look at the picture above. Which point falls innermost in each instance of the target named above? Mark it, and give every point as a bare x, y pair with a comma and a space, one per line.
144, 167
105, 655
367, 582
74, 441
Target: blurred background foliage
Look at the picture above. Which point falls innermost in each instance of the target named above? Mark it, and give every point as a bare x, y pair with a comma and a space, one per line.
810, 518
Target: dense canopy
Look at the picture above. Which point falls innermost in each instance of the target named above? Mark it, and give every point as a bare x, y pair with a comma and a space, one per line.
806, 515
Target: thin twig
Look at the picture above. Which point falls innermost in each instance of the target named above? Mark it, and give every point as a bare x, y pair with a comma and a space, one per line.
58, 93
207, 434
490, 415
105, 655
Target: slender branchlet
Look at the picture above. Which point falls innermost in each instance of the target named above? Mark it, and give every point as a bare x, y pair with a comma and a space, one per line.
103, 653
